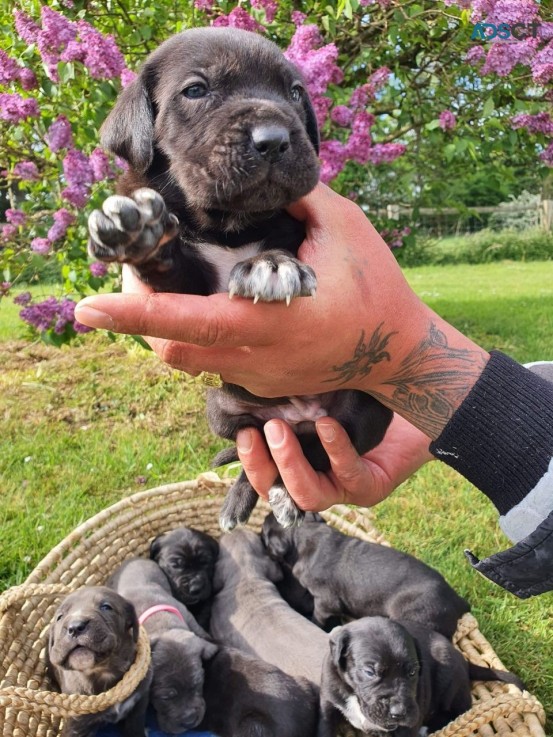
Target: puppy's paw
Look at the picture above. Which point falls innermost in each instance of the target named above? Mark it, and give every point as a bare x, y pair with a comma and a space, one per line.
130, 229
239, 503
273, 276
286, 512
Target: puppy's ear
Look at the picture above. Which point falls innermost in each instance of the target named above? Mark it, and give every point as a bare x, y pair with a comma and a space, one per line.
209, 650
311, 125
128, 131
131, 620
339, 644
155, 547
277, 544
273, 571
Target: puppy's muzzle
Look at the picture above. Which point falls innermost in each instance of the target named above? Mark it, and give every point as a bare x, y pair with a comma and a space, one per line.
270, 141
76, 627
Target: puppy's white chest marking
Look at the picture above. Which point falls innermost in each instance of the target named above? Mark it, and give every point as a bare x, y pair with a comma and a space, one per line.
352, 712
119, 711
224, 259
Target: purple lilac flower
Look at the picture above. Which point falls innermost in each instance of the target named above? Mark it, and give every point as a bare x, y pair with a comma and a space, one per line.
512, 11
537, 123
542, 65
9, 68
127, 76
547, 155
52, 314
100, 165
447, 120
269, 6
27, 79
475, 54
333, 159
121, 164
206, 5
341, 115
239, 18
57, 30
298, 18
23, 298
98, 269
16, 217
362, 122
59, 134
26, 170
15, 108
8, 231
78, 327
26, 27
358, 147
42, 246
77, 168
62, 220
76, 194
502, 58
5, 287
74, 51
103, 58
385, 153
379, 78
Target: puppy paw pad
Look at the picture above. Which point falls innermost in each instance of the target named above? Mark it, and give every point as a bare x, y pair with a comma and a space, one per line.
286, 512
272, 277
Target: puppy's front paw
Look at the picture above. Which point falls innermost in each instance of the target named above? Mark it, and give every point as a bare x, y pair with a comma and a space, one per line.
286, 512
273, 276
130, 229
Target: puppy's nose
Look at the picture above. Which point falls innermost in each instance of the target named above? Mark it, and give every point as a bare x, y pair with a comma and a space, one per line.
270, 141
397, 711
77, 626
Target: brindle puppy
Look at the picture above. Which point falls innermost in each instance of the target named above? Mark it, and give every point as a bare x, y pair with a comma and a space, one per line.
92, 644
220, 136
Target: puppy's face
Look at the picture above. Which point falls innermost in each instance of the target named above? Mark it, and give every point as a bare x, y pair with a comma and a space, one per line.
188, 559
94, 632
176, 692
230, 115
378, 660
278, 541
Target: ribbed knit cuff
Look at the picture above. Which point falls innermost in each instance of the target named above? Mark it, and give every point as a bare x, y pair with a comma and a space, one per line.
501, 436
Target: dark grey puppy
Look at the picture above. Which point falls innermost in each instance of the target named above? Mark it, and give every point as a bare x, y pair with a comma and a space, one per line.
179, 647
187, 557
91, 645
350, 578
248, 612
220, 136
392, 678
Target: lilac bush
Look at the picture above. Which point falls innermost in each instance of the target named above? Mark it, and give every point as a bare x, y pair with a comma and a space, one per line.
396, 86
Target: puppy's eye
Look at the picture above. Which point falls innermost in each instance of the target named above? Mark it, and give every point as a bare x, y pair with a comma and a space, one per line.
168, 695
195, 91
59, 617
105, 607
413, 672
369, 671
296, 93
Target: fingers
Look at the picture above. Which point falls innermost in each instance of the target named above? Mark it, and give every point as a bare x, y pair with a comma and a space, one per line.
256, 460
203, 321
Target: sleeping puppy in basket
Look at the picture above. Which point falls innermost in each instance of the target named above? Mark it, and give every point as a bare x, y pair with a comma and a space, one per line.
187, 557
248, 612
351, 578
392, 678
92, 644
220, 135
199, 684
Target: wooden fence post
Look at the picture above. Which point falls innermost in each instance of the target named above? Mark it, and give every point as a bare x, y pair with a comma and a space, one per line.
546, 215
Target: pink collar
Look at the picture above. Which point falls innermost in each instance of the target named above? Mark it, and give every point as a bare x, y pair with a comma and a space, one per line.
159, 608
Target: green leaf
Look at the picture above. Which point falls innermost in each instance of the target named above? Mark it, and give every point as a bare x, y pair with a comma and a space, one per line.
66, 71
489, 107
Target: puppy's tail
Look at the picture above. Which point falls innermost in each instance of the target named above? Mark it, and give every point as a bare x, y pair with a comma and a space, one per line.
479, 673
228, 455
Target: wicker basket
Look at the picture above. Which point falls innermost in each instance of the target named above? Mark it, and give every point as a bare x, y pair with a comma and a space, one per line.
28, 706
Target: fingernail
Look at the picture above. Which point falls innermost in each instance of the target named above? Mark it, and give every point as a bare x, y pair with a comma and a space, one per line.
274, 434
244, 441
93, 318
326, 432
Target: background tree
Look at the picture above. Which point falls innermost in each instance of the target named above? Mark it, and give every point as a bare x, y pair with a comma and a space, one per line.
414, 107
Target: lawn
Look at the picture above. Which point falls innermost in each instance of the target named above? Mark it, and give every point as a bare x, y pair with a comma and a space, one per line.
86, 425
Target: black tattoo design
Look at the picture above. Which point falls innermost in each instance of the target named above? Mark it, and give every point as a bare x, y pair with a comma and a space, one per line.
430, 382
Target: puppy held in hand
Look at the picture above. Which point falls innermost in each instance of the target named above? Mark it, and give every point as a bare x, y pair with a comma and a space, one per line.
187, 557
248, 612
92, 644
392, 678
178, 645
220, 136
350, 578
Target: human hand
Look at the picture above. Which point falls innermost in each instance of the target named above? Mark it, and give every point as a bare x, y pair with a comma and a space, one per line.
361, 480
365, 329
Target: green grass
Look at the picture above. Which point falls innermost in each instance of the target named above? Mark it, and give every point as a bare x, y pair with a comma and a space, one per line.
84, 426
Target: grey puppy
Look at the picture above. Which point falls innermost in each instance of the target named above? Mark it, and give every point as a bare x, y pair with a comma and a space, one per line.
179, 645
200, 684
187, 557
350, 578
392, 678
91, 645
220, 135
248, 612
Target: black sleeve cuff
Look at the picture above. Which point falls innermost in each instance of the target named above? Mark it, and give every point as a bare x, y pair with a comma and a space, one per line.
501, 436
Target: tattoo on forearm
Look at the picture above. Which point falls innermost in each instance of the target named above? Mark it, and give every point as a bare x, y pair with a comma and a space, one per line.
429, 383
